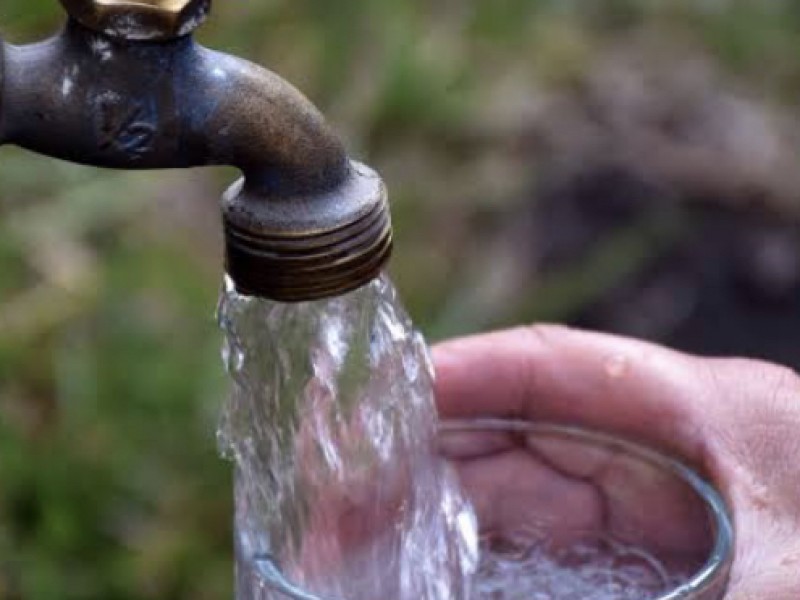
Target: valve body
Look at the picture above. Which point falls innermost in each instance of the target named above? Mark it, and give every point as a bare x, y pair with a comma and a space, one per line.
125, 86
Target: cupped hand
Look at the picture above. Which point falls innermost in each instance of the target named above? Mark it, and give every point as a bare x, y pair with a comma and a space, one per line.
736, 421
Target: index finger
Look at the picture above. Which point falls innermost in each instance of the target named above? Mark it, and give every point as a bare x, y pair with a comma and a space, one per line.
555, 374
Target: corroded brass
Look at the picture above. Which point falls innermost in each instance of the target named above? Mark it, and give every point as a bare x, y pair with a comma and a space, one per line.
140, 19
304, 223
297, 253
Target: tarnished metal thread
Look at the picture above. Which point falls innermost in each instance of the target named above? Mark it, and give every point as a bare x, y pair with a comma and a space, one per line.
290, 265
124, 86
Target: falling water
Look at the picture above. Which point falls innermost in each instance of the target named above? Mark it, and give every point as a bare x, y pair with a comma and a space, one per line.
339, 492
331, 425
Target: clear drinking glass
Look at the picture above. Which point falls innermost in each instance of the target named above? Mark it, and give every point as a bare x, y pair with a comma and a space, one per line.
568, 514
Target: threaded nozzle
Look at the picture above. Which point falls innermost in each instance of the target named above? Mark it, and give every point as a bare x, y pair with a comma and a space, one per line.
309, 248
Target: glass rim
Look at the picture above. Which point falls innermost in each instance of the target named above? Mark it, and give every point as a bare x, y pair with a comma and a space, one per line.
713, 575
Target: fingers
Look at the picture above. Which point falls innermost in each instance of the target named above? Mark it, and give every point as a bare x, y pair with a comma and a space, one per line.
555, 374
569, 488
737, 421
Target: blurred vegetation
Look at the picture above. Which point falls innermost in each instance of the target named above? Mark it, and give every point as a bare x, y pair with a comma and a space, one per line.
110, 486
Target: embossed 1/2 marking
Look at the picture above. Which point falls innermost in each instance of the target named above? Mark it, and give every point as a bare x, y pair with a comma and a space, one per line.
125, 129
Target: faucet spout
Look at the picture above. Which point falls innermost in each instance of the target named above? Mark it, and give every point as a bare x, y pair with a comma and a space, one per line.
305, 221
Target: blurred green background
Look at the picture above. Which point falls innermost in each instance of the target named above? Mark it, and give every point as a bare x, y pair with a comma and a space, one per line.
535, 173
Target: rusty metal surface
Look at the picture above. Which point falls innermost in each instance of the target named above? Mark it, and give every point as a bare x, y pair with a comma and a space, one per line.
279, 246
305, 222
140, 19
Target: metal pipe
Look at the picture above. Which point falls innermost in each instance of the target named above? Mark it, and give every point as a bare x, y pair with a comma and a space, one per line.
124, 85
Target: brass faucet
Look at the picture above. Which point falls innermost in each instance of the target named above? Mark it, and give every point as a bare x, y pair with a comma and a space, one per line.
124, 85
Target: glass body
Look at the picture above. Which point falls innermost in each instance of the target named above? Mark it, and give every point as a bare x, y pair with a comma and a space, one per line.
571, 501
586, 500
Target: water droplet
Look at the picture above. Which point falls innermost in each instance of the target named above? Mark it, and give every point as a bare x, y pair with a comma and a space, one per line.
617, 366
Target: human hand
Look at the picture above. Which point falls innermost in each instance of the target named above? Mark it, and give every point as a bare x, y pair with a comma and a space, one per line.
736, 421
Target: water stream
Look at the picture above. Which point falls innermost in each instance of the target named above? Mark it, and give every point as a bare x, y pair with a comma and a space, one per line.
331, 425
340, 494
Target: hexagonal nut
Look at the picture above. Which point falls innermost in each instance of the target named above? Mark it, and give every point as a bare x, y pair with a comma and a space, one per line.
140, 20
